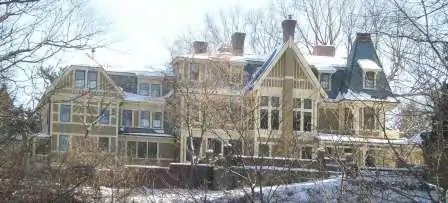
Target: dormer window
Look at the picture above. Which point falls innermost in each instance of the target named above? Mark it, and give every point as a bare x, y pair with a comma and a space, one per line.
370, 80
370, 71
325, 81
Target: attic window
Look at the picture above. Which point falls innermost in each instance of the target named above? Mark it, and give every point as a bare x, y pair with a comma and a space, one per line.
369, 80
325, 81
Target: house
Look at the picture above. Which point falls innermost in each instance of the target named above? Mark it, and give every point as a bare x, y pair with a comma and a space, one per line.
285, 104
89, 109
298, 104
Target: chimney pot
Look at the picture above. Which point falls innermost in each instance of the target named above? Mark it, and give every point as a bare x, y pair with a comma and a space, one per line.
289, 26
324, 50
238, 43
200, 47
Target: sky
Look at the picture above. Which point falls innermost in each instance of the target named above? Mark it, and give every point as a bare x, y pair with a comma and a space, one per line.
141, 29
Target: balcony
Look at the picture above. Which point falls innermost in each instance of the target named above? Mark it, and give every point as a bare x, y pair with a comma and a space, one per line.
140, 131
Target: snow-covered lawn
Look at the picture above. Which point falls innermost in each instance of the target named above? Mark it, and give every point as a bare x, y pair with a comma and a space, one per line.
328, 190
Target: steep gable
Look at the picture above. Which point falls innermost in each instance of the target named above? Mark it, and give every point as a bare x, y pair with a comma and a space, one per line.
302, 74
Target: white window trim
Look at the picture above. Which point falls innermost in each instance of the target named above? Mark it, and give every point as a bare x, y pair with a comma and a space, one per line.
329, 80
269, 108
374, 79
151, 124
122, 117
147, 149
139, 89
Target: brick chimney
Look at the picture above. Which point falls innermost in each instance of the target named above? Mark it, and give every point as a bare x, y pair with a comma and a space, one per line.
238, 43
200, 47
324, 50
289, 26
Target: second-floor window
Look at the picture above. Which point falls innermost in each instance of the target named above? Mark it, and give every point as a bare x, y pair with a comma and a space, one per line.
144, 89
127, 118
104, 116
194, 71
325, 81
155, 90
369, 80
157, 120
65, 113
86, 79
144, 119
369, 118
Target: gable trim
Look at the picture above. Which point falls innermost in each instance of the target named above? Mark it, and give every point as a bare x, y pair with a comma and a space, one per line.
300, 58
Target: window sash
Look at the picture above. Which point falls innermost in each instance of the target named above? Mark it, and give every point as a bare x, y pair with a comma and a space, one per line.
296, 120
131, 148
105, 116
369, 80
103, 144
127, 118
144, 119
275, 101
264, 101
63, 143
157, 120
307, 121
92, 77
155, 90
275, 114
64, 114
264, 118
80, 78
152, 150
325, 81
142, 150
144, 89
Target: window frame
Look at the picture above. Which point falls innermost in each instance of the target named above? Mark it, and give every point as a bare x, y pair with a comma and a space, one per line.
141, 119
89, 80
104, 148
144, 91
328, 81
69, 113
300, 111
374, 84
153, 120
159, 89
101, 121
123, 117
77, 81
67, 147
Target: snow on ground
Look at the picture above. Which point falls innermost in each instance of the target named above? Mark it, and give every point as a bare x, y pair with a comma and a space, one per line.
328, 190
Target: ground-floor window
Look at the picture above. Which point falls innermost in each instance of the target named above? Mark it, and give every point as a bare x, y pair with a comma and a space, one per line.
63, 143
42, 146
215, 145
307, 152
142, 149
107, 144
263, 150
234, 147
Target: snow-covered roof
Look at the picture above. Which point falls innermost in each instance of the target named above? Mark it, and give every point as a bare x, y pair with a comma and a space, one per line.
227, 56
351, 139
326, 64
161, 134
128, 96
360, 96
367, 64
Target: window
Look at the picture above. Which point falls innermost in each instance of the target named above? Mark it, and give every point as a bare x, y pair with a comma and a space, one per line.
64, 113
157, 120
155, 90
263, 150
194, 71
275, 101
152, 150
306, 121
80, 78
307, 104
215, 145
103, 144
325, 81
369, 80
369, 118
236, 147
127, 118
143, 89
142, 150
275, 119
297, 103
92, 78
104, 116
264, 119
348, 119
144, 119
264, 101
131, 148
63, 143
296, 121
307, 152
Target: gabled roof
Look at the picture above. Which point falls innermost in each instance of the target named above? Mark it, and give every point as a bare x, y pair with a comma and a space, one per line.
71, 68
267, 66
